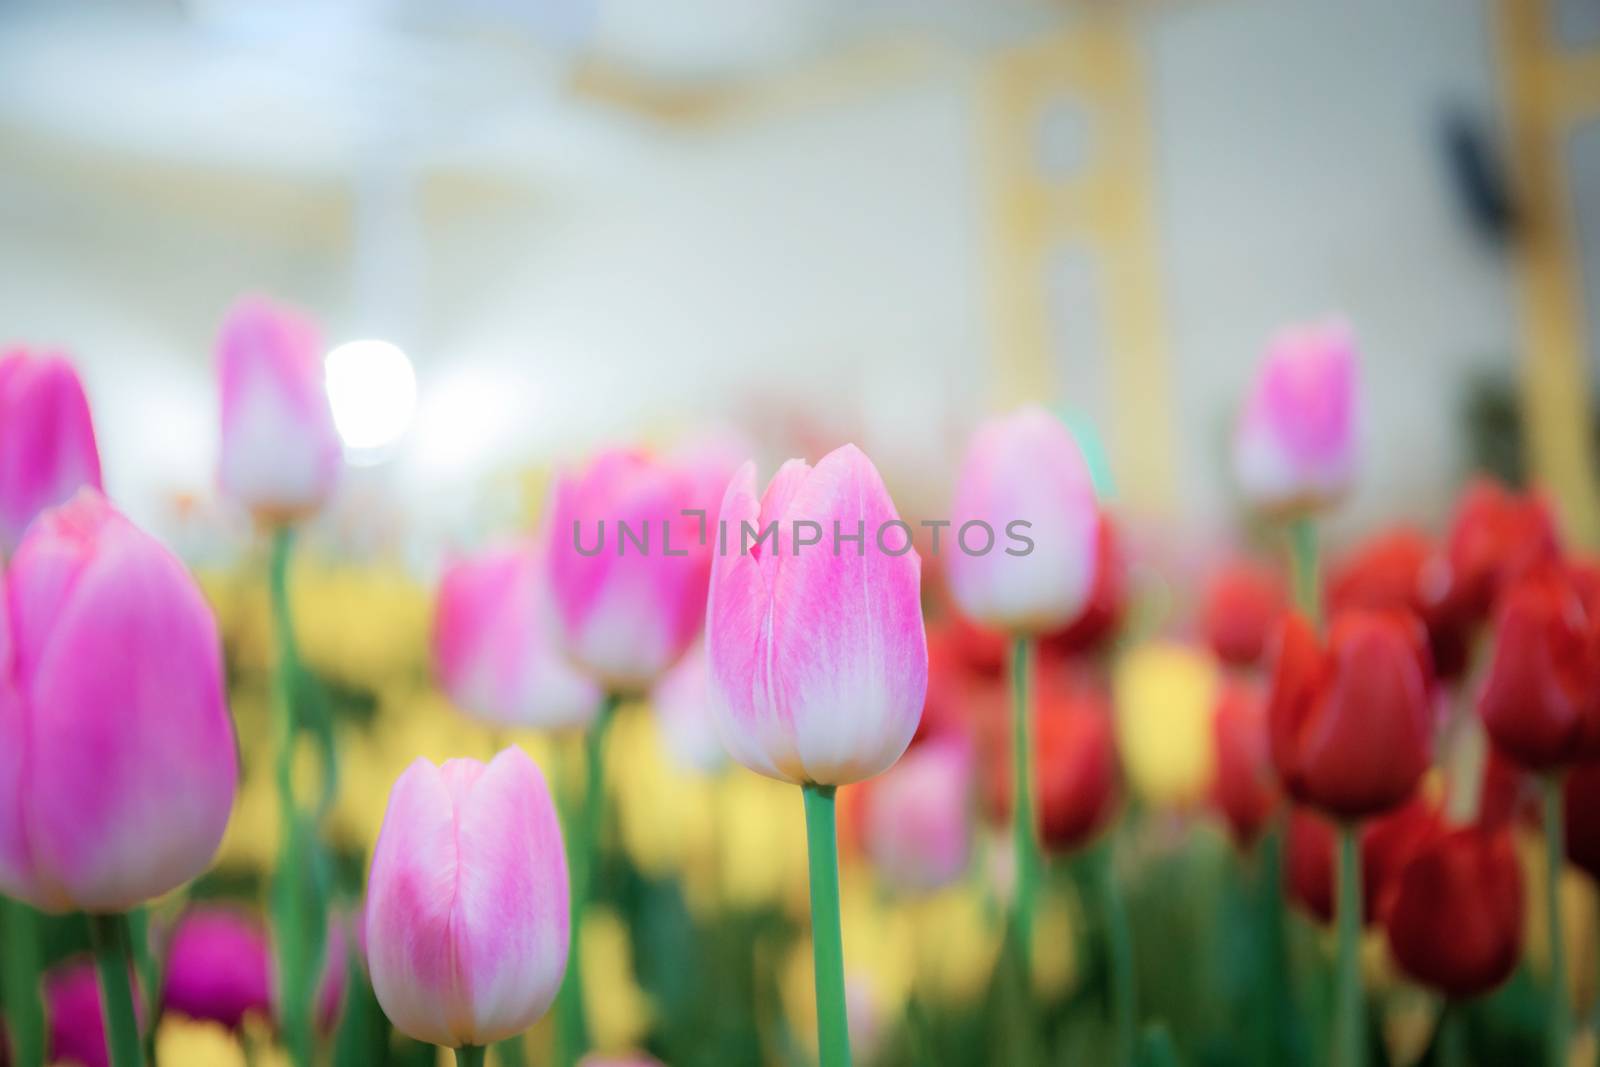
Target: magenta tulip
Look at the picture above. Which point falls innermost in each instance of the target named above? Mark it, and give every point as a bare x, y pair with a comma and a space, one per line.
682, 702
280, 452
467, 922
110, 668
1025, 526
73, 1009
1295, 445
819, 659
47, 449
627, 568
492, 648
917, 816
218, 968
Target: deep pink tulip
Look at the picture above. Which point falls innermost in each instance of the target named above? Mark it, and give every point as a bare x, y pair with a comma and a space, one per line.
918, 815
73, 1012
819, 659
280, 451
1022, 547
47, 449
467, 921
1295, 445
492, 647
218, 968
682, 702
115, 740
627, 568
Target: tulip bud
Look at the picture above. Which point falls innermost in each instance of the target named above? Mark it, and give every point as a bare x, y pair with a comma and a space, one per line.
1496, 537
1387, 844
1352, 723
1241, 610
73, 1009
1025, 525
819, 660
1541, 703
918, 816
1244, 788
682, 702
467, 907
280, 452
47, 449
492, 648
218, 969
1455, 913
627, 568
87, 587
1295, 446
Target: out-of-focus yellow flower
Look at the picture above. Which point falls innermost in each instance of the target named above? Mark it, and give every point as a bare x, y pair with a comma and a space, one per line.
1165, 693
251, 840
762, 852
365, 625
956, 937
667, 815
183, 1042
617, 1010
1055, 945
1578, 919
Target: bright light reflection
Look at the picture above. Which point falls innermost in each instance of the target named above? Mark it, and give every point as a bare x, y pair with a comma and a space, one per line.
373, 391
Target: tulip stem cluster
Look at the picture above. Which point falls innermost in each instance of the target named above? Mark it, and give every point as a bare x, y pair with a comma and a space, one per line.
1119, 937
1349, 1039
19, 982
109, 935
1559, 1023
827, 941
1022, 818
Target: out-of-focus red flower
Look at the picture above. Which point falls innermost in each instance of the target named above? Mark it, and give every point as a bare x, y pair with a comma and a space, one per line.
978, 648
1387, 844
1243, 606
1496, 537
1351, 722
1245, 790
1454, 915
1541, 703
1582, 803
1505, 795
1075, 763
1102, 616
1400, 570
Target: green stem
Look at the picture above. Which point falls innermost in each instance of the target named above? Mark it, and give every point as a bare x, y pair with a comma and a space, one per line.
1025, 838
288, 919
19, 982
584, 829
1452, 1036
833, 1029
1349, 1040
1119, 952
510, 1053
1558, 1023
469, 1056
109, 935
1303, 561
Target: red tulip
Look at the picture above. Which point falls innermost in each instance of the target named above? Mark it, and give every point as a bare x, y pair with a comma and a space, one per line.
1387, 844
1101, 617
1244, 790
1582, 794
1496, 537
1075, 763
1352, 723
1243, 606
1455, 913
1541, 703
1400, 571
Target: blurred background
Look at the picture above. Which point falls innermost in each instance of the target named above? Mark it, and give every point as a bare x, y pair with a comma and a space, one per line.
815, 220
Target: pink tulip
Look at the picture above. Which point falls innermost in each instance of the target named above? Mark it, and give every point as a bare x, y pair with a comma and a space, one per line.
1295, 444
72, 1008
1021, 553
115, 742
683, 711
47, 446
492, 648
627, 568
467, 921
280, 452
219, 968
819, 660
918, 815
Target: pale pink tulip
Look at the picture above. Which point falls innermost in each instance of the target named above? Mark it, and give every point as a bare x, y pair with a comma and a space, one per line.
47, 449
819, 659
918, 816
467, 920
1022, 548
627, 568
280, 451
1295, 446
115, 742
682, 701
492, 648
